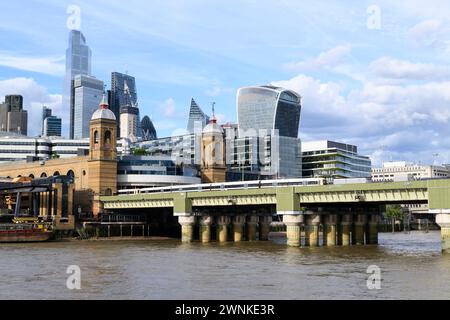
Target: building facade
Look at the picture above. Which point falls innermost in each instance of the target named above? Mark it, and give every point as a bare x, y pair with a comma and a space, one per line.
52, 127
402, 170
78, 62
87, 93
13, 118
118, 96
129, 116
46, 112
334, 160
148, 129
197, 118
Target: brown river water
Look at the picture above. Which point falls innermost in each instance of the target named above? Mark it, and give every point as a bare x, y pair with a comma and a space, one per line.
412, 267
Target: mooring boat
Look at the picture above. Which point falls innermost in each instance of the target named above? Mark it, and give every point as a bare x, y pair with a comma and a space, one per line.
25, 230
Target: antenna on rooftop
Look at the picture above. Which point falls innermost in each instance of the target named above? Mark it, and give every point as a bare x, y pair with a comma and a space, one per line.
213, 109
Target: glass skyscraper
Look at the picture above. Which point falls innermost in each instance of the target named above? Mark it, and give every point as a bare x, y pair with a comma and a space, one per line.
268, 124
197, 118
78, 62
118, 97
52, 127
87, 93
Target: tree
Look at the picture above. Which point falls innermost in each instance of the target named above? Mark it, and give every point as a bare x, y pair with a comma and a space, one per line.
394, 212
139, 152
55, 155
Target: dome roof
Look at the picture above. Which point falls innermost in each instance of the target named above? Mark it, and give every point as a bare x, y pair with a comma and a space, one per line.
103, 112
213, 128
148, 129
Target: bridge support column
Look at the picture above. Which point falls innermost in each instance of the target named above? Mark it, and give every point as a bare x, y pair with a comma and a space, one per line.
312, 230
443, 220
187, 228
264, 227
222, 228
252, 225
293, 227
344, 230
238, 228
329, 230
358, 229
372, 229
205, 229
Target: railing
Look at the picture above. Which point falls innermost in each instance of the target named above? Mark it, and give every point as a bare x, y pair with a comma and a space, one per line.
123, 218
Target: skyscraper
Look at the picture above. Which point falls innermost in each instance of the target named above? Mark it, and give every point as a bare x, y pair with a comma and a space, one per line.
52, 126
129, 116
269, 117
78, 62
46, 112
87, 93
117, 96
197, 118
148, 129
13, 118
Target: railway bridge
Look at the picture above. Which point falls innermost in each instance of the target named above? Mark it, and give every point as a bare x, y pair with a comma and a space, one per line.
348, 213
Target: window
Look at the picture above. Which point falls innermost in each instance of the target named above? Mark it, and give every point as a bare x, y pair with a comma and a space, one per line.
96, 138
108, 137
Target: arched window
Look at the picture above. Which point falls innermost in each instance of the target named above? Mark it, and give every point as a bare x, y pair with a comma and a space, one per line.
56, 173
43, 175
31, 176
108, 137
96, 137
70, 174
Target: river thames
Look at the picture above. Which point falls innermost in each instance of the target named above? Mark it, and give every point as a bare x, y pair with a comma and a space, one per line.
412, 267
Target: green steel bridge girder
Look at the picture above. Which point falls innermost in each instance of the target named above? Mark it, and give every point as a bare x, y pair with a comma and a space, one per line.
291, 199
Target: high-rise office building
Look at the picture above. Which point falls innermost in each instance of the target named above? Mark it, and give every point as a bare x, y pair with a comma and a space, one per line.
46, 112
87, 93
197, 118
129, 116
268, 123
13, 118
52, 127
78, 62
148, 129
117, 97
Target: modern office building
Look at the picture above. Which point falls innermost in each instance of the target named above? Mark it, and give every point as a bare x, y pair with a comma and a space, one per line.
148, 129
268, 126
117, 96
129, 116
402, 170
13, 118
46, 112
78, 62
87, 92
52, 126
334, 160
197, 118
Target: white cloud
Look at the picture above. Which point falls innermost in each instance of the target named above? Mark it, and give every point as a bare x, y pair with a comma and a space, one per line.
326, 59
431, 33
218, 90
46, 65
35, 96
387, 67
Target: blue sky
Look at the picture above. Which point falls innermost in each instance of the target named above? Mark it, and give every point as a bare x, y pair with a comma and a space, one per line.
376, 76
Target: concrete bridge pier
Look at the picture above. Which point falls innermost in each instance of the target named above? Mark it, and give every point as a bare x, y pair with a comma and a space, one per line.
187, 228
205, 229
293, 227
238, 228
358, 229
264, 227
222, 228
443, 220
252, 226
372, 229
312, 230
330, 229
345, 228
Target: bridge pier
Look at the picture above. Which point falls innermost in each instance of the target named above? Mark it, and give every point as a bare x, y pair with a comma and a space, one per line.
264, 227
329, 230
372, 229
252, 225
187, 228
238, 228
443, 220
222, 228
312, 230
205, 229
345, 227
358, 229
293, 227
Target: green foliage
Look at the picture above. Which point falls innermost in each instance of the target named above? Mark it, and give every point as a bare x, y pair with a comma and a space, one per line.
55, 155
139, 152
394, 211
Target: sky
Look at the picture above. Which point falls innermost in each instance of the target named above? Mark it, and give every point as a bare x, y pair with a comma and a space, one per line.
371, 73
